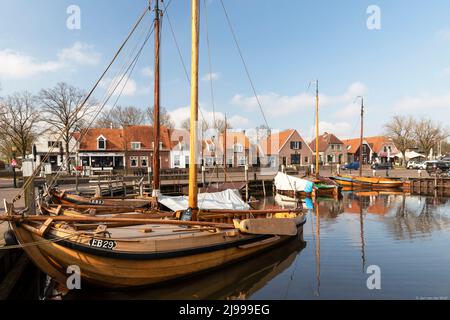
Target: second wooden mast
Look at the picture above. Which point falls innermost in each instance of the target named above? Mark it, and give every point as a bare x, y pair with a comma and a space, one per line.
193, 187
156, 117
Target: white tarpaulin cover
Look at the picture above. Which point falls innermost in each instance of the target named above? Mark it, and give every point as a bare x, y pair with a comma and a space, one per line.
228, 199
289, 183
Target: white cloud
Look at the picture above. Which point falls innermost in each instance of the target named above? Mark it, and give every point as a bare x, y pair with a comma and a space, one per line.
211, 76
339, 129
147, 72
423, 102
15, 64
277, 105
181, 114
80, 54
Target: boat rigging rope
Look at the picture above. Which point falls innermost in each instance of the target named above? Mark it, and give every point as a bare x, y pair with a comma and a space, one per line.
37, 243
244, 63
78, 109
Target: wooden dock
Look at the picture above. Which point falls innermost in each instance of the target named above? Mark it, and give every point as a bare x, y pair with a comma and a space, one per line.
438, 187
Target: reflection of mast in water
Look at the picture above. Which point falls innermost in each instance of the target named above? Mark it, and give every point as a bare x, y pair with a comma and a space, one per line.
318, 248
363, 251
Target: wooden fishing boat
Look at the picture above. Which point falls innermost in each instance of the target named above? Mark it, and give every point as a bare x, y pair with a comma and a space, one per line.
367, 182
240, 281
297, 188
151, 252
61, 197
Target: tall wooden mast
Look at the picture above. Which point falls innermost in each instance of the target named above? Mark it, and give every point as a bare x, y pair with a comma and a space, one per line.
362, 137
317, 128
156, 118
225, 149
193, 188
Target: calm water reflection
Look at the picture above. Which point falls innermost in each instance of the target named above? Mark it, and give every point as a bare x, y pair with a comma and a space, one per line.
406, 236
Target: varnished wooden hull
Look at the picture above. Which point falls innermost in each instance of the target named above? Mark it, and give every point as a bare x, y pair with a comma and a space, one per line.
367, 182
127, 268
71, 199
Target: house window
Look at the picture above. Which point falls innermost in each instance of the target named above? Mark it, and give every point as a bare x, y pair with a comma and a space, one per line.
241, 161
176, 161
306, 159
295, 159
135, 146
144, 162
238, 148
296, 145
54, 144
134, 162
101, 143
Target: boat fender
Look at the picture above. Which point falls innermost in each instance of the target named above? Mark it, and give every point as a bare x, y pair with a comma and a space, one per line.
10, 238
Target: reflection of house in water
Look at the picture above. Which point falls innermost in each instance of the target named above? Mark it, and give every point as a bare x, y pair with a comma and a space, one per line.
419, 216
330, 208
368, 202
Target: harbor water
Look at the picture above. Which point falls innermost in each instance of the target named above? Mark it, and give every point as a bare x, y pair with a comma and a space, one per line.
401, 240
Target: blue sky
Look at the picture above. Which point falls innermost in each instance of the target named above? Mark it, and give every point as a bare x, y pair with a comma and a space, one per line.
403, 68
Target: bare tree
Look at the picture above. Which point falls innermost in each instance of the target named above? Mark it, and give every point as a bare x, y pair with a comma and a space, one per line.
120, 117
164, 117
18, 119
219, 125
401, 131
64, 112
428, 134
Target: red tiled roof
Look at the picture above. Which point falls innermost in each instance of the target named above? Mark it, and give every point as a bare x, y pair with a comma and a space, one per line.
324, 141
121, 139
279, 137
377, 143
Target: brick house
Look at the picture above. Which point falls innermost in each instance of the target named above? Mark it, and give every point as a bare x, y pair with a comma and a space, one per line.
383, 148
331, 149
130, 147
286, 148
353, 145
180, 152
238, 150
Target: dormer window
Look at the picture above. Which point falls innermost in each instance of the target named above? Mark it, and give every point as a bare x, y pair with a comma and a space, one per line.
101, 143
135, 146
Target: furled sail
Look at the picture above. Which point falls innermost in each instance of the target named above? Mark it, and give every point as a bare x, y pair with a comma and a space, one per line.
228, 199
288, 183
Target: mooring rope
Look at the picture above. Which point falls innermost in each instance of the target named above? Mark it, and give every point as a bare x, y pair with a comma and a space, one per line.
37, 243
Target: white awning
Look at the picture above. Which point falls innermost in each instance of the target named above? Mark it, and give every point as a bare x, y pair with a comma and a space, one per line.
228, 199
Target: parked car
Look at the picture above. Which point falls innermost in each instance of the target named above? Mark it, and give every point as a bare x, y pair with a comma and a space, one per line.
350, 166
423, 165
382, 166
413, 165
438, 168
